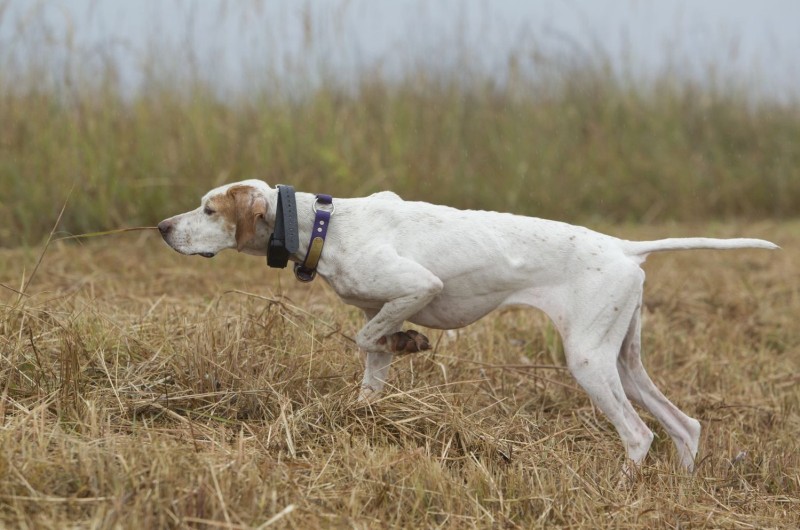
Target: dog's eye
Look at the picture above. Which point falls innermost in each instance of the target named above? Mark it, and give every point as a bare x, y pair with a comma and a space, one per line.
208, 211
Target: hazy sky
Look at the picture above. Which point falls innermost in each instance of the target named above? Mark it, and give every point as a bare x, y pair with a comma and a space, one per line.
229, 41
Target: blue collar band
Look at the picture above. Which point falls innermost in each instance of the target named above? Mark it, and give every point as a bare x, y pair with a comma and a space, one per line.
323, 210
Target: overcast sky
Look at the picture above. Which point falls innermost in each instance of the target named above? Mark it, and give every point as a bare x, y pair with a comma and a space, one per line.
226, 41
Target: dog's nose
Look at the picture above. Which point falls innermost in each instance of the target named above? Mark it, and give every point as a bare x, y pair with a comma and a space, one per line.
165, 227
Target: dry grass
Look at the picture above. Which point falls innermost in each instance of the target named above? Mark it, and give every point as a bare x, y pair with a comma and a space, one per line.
143, 389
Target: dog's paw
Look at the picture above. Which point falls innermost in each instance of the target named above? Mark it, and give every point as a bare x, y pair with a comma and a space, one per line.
406, 342
418, 342
367, 395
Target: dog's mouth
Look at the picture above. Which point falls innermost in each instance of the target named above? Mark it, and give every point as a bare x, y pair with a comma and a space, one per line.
204, 254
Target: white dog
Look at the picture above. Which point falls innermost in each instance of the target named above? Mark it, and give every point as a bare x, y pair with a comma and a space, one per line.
444, 268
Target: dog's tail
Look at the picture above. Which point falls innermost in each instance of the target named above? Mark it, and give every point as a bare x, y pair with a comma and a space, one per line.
641, 249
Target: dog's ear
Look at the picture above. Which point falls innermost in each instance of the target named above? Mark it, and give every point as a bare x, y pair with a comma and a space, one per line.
248, 206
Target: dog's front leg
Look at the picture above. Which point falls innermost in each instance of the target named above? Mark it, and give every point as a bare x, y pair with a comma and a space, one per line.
412, 289
376, 366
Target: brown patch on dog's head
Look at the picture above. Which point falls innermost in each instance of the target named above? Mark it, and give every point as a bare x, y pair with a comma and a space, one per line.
241, 206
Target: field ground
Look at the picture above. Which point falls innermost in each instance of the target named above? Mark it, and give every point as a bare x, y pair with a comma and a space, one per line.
143, 389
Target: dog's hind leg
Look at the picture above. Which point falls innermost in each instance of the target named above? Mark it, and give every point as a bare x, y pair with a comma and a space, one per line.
592, 341
684, 431
595, 371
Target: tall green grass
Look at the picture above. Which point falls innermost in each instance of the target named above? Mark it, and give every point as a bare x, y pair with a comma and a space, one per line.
576, 144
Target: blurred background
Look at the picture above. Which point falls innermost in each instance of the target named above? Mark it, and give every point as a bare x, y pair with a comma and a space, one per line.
584, 111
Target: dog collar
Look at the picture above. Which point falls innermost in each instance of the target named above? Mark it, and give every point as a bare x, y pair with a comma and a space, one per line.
323, 210
284, 240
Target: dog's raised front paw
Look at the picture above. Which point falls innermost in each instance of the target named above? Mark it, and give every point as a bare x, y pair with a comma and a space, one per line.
406, 342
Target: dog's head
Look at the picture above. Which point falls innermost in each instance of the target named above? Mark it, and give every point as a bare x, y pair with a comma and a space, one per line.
232, 216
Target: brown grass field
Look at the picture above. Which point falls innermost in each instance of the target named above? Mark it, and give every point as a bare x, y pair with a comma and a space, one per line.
144, 389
